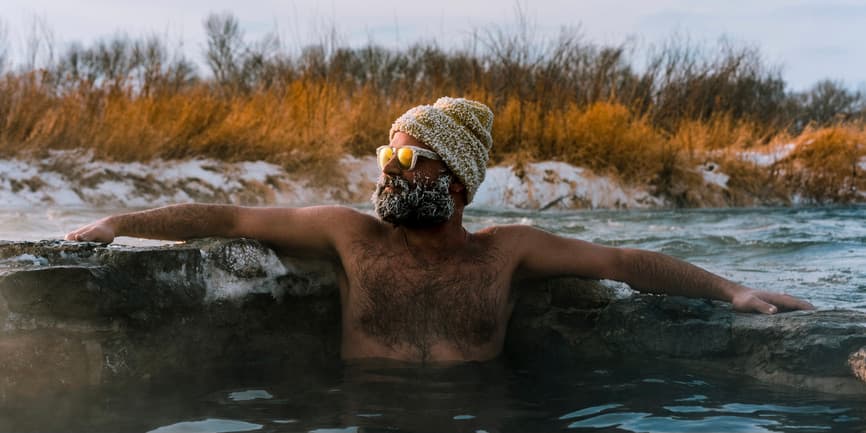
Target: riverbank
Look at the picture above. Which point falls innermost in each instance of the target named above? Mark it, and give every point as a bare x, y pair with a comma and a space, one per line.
778, 175
681, 125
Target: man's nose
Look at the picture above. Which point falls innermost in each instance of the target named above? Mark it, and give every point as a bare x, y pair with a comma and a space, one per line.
392, 168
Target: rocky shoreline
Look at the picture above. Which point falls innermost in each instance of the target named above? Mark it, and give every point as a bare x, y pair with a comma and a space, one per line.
81, 315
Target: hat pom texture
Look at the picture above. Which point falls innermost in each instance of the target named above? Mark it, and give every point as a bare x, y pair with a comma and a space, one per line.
458, 130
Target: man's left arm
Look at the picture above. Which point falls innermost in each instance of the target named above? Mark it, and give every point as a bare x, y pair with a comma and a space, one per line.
544, 254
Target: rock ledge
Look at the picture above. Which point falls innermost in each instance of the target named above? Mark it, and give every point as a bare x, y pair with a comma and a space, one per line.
77, 315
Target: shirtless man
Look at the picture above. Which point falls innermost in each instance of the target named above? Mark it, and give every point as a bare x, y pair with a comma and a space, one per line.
415, 285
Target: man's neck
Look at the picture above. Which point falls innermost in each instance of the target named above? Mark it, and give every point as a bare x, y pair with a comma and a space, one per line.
436, 240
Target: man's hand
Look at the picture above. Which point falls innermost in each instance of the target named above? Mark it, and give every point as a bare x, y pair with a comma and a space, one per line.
753, 301
99, 231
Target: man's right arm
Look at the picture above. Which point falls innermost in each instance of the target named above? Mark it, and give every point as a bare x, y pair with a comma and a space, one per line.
176, 223
309, 230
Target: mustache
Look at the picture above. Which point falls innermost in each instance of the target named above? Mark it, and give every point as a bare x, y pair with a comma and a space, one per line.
386, 181
396, 183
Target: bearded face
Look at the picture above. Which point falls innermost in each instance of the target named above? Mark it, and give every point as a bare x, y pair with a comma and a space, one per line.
422, 203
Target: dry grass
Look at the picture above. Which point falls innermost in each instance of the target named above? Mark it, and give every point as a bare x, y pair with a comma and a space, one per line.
606, 137
304, 124
569, 101
718, 133
825, 166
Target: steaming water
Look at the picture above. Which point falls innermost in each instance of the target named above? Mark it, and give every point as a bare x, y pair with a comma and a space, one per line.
817, 254
490, 397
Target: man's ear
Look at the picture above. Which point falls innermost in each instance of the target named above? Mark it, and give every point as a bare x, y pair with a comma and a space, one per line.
459, 189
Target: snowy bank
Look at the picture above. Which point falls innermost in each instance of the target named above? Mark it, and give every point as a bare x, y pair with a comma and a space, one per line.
74, 179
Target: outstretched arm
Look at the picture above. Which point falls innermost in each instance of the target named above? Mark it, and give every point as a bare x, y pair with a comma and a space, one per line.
545, 254
175, 222
308, 231
652, 272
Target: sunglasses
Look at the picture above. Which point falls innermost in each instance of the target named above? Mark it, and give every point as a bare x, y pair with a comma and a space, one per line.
407, 156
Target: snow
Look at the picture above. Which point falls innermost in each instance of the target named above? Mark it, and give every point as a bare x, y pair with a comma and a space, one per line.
199, 169
225, 285
27, 259
546, 185
766, 159
74, 179
712, 175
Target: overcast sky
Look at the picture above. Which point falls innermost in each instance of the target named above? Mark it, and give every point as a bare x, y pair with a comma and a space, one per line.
809, 39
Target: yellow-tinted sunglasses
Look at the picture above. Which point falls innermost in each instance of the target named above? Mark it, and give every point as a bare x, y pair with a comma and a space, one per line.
407, 156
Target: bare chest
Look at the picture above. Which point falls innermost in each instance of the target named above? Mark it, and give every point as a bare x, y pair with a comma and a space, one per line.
463, 300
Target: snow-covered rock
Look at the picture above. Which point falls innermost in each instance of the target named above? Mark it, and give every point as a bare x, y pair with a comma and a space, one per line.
545, 185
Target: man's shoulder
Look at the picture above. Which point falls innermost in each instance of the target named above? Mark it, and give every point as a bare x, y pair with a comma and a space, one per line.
506, 231
333, 221
340, 211
349, 220
346, 217
507, 235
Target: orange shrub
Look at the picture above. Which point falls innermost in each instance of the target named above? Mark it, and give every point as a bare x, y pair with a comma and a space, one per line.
608, 139
719, 133
825, 165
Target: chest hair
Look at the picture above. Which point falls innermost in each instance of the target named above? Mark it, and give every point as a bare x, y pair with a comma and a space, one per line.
457, 299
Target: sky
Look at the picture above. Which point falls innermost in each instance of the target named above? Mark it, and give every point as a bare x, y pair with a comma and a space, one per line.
809, 40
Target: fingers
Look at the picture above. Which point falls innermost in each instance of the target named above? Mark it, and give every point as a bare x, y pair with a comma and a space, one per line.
803, 305
769, 303
89, 234
785, 302
76, 238
78, 235
758, 305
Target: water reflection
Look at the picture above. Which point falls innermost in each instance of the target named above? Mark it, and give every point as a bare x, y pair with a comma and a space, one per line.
252, 394
208, 426
477, 397
464, 397
644, 422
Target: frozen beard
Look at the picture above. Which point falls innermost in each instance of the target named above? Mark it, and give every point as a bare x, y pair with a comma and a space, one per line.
423, 203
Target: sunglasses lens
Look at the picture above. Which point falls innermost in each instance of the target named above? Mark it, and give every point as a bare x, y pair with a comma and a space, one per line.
385, 155
404, 156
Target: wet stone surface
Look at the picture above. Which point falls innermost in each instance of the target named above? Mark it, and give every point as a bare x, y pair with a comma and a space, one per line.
79, 315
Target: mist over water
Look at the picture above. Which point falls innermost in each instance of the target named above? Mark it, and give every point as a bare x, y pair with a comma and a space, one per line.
379, 396
32, 224
815, 253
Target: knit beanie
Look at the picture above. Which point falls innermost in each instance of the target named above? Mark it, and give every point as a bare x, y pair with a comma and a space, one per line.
458, 130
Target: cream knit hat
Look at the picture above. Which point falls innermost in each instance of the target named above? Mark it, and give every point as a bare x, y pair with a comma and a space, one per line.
458, 130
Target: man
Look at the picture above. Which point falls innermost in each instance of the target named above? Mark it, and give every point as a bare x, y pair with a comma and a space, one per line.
415, 285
